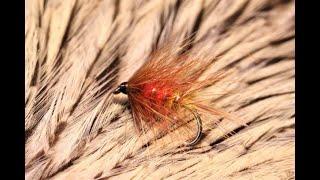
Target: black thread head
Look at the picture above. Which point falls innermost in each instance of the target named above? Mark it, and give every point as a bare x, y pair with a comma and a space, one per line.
122, 88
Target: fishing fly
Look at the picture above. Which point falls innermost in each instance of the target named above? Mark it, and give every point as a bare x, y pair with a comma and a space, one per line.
164, 94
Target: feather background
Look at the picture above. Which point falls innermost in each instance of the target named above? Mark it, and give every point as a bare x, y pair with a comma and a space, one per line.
77, 51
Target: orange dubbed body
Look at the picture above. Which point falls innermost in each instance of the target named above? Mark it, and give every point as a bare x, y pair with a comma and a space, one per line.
159, 92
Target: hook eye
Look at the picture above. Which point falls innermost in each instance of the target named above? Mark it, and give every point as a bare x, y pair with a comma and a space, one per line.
122, 88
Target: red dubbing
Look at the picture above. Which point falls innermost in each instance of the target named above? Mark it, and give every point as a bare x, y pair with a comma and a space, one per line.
157, 91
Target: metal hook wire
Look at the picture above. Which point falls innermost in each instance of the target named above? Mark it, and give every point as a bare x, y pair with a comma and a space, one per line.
199, 132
